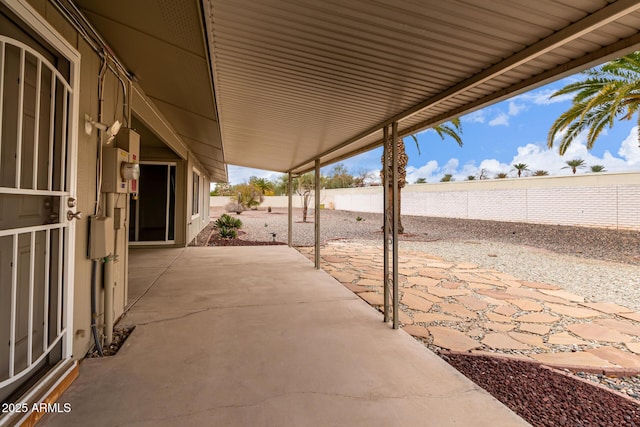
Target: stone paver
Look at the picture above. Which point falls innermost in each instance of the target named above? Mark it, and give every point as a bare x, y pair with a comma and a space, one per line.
505, 310
458, 310
565, 338
414, 302
534, 340
577, 312
538, 318
472, 303
563, 294
577, 358
631, 316
619, 357
620, 326
434, 317
452, 339
633, 346
535, 328
526, 305
372, 298
590, 331
469, 308
500, 327
416, 331
503, 342
607, 307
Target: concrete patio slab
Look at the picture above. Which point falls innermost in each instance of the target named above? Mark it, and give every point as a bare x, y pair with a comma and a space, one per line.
256, 336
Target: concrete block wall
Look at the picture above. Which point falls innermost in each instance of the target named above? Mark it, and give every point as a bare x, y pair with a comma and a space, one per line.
606, 200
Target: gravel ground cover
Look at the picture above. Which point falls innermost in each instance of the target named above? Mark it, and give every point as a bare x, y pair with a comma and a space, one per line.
600, 264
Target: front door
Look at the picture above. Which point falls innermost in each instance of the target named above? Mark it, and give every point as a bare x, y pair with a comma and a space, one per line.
36, 193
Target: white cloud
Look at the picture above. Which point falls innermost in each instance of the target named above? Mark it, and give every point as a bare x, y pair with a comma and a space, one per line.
537, 157
543, 97
515, 108
501, 120
475, 117
239, 174
629, 149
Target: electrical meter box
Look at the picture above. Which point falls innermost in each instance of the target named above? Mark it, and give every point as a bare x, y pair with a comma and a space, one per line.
112, 180
129, 141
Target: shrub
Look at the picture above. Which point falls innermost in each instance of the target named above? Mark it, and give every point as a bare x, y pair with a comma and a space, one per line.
228, 232
226, 221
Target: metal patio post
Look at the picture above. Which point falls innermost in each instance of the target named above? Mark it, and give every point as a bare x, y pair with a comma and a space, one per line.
316, 212
396, 205
385, 219
290, 211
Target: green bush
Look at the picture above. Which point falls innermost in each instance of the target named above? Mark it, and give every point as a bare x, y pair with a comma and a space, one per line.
228, 232
227, 221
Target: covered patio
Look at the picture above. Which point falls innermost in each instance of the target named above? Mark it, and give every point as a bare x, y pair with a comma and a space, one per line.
257, 336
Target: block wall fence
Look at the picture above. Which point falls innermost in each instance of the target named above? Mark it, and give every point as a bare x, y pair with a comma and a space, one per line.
605, 200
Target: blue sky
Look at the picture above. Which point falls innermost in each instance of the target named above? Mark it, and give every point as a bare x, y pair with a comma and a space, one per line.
495, 138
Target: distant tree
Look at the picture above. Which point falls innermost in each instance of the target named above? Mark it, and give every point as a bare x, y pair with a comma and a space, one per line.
222, 189
304, 186
521, 167
340, 177
265, 186
421, 181
540, 173
482, 174
502, 175
447, 178
575, 164
471, 178
362, 178
608, 91
247, 195
597, 168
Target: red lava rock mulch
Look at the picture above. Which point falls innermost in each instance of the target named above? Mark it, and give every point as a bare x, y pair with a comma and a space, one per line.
545, 396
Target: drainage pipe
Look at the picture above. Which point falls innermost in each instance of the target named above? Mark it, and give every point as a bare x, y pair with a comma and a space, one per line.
108, 279
94, 304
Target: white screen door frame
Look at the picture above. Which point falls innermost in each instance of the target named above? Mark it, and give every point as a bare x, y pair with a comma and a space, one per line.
50, 244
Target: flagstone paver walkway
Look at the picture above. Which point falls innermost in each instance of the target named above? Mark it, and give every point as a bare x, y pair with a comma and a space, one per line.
463, 307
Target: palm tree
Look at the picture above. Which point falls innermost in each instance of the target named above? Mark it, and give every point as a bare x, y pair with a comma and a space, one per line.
521, 167
264, 185
452, 129
540, 173
574, 165
609, 91
597, 168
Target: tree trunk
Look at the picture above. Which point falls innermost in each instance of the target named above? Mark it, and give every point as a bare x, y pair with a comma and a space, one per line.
402, 178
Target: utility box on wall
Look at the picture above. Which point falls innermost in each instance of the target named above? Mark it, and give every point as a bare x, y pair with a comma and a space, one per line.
112, 160
129, 140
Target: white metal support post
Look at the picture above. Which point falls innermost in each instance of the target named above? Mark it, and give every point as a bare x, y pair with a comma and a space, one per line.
385, 219
290, 210
316, 212
396, 206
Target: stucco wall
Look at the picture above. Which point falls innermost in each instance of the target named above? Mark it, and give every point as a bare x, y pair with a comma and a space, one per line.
608, 200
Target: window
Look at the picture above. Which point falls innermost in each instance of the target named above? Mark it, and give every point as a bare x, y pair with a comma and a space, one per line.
195, 195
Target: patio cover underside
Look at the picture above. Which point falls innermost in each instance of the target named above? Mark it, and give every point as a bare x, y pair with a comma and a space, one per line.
298, 80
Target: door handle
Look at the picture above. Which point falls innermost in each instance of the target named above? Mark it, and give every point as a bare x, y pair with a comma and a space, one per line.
73, 215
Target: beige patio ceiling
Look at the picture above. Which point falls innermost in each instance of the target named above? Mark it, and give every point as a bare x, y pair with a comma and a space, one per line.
301, 79
163, 44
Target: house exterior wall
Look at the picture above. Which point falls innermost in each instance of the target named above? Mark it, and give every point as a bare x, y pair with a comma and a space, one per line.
87, 176
608, 200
